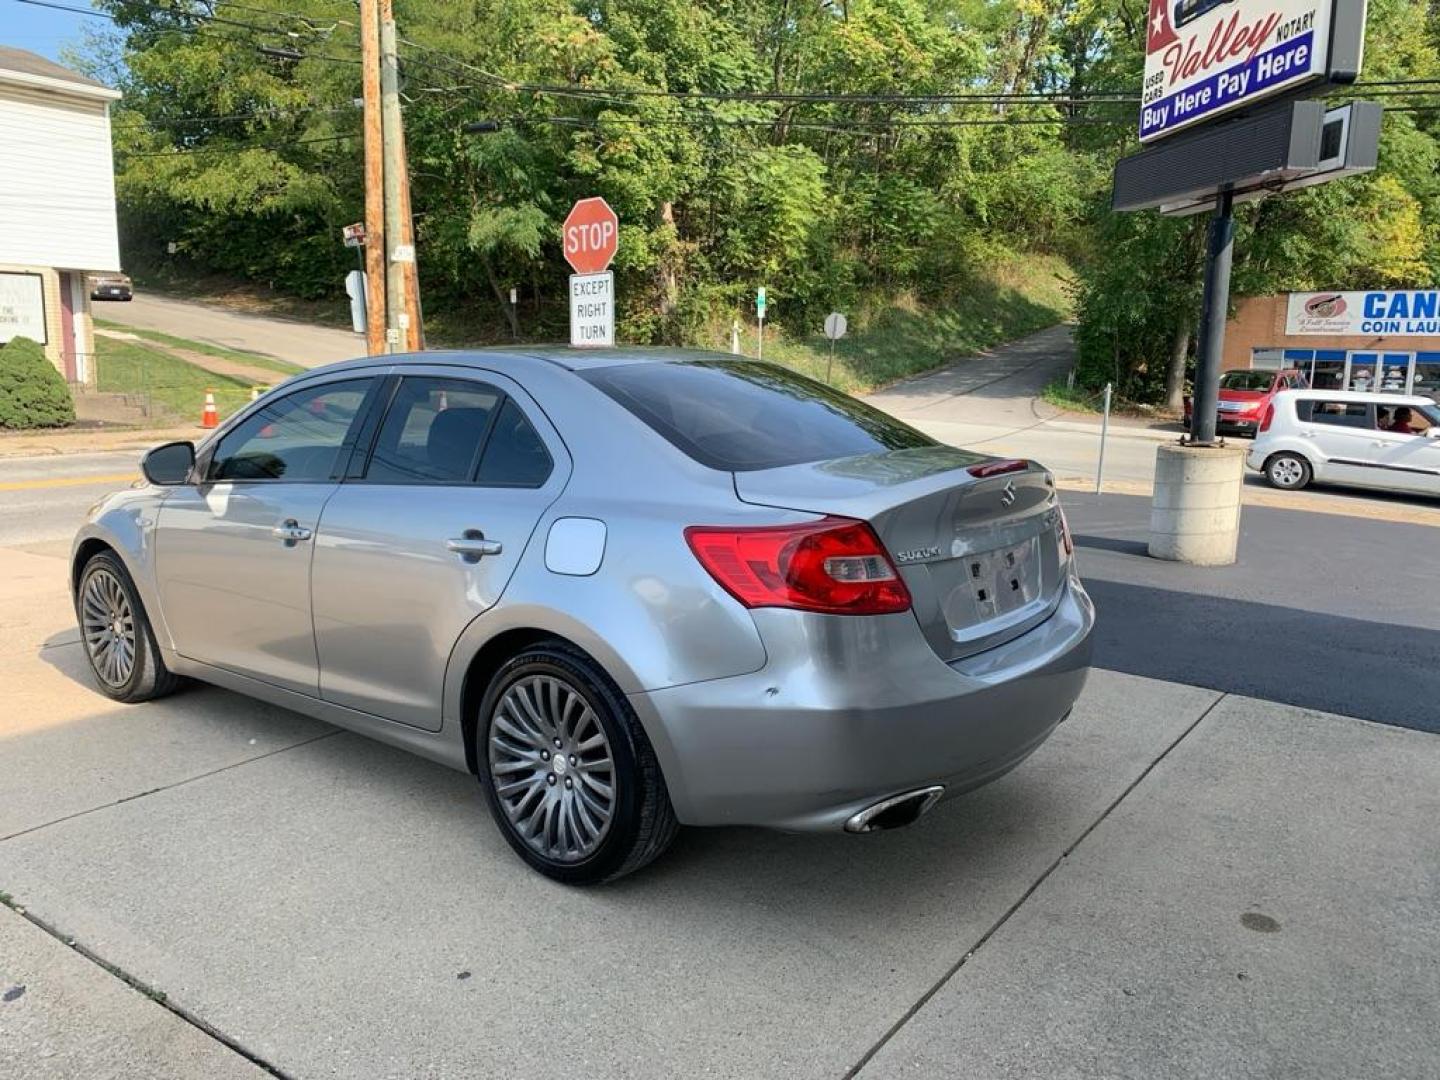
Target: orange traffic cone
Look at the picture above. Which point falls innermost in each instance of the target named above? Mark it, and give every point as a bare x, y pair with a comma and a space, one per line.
209, 418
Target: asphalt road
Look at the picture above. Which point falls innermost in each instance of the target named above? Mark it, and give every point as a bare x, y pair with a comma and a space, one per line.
285, 339
46, 498
1323, 611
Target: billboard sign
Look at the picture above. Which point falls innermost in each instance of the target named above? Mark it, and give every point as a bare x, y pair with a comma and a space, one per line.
1204, 58
1380, 313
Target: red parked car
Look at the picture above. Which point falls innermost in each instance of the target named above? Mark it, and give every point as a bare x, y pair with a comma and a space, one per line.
1244, 396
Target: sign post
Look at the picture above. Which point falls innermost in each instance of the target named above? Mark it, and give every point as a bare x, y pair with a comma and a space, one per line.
1220, 117
760, 316
1204, 60
591, 236
834, 330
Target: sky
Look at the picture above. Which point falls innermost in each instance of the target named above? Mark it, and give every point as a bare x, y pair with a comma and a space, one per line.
41, 30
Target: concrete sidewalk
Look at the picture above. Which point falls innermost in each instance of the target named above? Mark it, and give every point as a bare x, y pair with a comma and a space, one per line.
325, 906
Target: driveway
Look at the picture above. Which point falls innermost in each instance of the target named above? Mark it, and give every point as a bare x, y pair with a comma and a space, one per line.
285, 339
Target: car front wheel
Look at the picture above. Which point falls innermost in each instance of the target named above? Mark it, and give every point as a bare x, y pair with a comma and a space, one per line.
116, 633
570, 776
1287, 471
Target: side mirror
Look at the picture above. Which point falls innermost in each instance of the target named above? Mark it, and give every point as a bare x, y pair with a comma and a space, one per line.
169, 464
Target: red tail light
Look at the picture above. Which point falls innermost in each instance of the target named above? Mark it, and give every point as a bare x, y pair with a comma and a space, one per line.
835, 566
997, 468
1269, 415
1066, 540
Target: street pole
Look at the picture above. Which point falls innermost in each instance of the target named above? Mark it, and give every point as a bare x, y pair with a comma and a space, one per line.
760, 338
374, 179
1212, 321
397, 159
1104, 434
397, 315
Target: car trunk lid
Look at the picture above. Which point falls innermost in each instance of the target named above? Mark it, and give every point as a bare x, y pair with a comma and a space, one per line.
980, 554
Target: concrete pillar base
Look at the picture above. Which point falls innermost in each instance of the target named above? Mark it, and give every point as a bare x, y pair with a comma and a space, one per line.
1195, 516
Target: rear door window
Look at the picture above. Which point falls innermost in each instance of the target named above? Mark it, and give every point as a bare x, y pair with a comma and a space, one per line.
433, 432
1342, 414
742, 415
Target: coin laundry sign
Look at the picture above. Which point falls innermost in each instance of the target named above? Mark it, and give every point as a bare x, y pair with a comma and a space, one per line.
1206, 57
1398, 313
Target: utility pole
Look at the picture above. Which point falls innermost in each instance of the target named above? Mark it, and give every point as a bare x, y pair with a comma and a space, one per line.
393, 286
374, 183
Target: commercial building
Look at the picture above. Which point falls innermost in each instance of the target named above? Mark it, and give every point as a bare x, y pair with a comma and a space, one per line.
1378, 340
57, 206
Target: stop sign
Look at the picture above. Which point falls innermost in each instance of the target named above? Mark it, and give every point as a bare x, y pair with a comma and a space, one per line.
591, 233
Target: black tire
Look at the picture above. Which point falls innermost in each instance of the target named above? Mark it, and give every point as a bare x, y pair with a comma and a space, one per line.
146, 676
642, 822
1288, 471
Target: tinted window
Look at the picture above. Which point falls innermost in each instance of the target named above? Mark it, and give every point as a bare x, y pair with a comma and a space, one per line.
432, 432
740, 415
1342, 413
515, 456
297, 437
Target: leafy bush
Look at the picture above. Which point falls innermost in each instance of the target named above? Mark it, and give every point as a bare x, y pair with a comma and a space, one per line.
32, 392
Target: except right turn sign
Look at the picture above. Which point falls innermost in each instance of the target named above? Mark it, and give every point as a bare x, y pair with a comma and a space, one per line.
591, 235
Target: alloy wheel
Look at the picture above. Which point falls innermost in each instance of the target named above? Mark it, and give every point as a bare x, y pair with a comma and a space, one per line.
1287, 472
108, 625
552, 768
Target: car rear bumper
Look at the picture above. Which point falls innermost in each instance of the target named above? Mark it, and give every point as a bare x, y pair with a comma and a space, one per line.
849, 711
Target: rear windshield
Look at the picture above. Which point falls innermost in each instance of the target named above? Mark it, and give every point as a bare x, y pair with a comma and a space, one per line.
741, 415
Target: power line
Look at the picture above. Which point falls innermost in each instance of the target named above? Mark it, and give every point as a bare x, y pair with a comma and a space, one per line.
204, 20
758, 96
192, 151
257, 114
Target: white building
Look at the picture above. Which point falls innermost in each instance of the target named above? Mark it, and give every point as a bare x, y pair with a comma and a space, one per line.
57, 206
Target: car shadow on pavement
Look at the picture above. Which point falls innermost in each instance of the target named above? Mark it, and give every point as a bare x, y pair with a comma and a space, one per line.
1113, 543
1357, 667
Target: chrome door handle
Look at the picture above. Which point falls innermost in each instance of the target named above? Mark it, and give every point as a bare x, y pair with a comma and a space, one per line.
290, 531
473, 545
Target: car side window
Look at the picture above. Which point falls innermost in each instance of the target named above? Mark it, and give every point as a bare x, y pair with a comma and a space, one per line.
515, 455
1341, 414
296, 438
433, 431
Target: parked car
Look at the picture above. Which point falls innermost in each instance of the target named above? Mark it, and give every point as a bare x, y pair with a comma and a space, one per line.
111, 287
1372, 440
1244, 396
627, 589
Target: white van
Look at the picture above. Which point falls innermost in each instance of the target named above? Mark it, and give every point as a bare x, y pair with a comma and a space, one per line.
1345, 437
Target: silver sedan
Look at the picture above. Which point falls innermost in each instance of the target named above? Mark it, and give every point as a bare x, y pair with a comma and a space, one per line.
627, 589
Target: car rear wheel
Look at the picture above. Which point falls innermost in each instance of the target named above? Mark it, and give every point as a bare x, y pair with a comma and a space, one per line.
1287, 471
570, 776
116, 633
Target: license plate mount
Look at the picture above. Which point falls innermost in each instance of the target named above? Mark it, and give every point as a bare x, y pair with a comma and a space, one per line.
1006, 579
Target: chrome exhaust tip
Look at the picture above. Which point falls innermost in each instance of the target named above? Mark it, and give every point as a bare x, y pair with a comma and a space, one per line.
896, 811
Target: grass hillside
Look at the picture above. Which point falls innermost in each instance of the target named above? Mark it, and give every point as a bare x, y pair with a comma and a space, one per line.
1012, 297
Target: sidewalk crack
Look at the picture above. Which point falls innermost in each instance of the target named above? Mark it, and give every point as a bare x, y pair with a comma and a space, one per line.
167, 787
156, 995
940, 983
